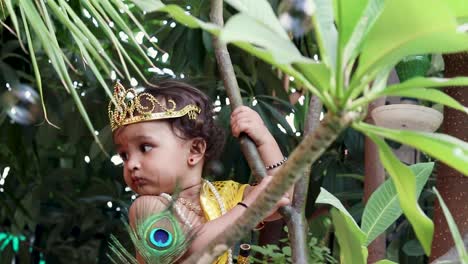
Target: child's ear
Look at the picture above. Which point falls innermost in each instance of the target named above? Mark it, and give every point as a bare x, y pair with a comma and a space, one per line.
197, 151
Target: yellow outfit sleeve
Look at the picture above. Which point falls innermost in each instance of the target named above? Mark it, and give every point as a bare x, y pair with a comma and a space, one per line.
231, 193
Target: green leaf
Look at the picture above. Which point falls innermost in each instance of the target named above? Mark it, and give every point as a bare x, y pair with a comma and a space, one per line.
413, 248
432, 95
109, 10
385, 261
82, 31
326, 197
325, 31
35, 66
405, 184
433, 29
13, 17
282, 50
421, 82
261, 11
350, 238
448, 149
459, 244
316, 73
148, 6
347, 15
366, 21
181, 16
54, 53
80, 40
383, 208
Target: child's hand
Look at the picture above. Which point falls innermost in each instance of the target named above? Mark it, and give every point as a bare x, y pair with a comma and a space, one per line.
244, 119
256, 190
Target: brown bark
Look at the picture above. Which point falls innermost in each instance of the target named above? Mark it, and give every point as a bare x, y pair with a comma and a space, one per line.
374, 176
452, 185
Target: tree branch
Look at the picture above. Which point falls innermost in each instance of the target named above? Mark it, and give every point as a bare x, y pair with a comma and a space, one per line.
295, 219
226, 70
292, 215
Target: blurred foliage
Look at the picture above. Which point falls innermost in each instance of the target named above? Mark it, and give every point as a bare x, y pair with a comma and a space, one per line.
60, 202
318, 253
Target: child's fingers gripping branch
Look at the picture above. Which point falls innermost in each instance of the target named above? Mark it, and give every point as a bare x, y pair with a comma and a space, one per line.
246, 120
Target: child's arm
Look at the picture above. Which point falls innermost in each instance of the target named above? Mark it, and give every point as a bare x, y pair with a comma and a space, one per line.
246, 120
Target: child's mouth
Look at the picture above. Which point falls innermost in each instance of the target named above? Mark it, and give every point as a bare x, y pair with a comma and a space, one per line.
139, 181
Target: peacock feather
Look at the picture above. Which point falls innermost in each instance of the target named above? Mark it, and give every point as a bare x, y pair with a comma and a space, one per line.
157, 232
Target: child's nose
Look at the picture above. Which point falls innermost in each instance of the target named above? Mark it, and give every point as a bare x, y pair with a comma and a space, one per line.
134, 163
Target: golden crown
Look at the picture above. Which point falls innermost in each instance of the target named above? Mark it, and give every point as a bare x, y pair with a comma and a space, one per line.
128, 108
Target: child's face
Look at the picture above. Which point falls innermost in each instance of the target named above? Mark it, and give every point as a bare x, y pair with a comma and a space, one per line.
155, 159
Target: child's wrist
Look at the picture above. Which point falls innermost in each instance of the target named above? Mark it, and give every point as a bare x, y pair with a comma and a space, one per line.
266, 140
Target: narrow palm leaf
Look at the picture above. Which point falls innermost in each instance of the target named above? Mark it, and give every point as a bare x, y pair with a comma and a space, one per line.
109, 9
459, 244
37, 73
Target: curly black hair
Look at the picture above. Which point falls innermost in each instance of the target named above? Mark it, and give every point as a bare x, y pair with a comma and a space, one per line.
204, 126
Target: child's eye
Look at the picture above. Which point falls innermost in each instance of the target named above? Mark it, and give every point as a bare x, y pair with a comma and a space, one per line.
146, 148
123, 156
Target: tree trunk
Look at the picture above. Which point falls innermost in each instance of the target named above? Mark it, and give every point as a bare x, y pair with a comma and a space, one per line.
452, 185
374, 176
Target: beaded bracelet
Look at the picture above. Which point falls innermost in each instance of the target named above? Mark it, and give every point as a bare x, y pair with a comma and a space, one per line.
270, 167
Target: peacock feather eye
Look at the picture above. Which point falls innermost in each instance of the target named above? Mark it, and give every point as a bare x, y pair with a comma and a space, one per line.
161, 234
160, 238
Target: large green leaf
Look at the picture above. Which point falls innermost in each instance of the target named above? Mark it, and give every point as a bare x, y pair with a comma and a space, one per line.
432, 95
366, 21
383, 209
447, 149
459, 244
283, 50
417, 84
347, 15
421, 82
350, 238
404, 28
325, 32
300, 79
316, 73
326, 197
405, 184
261, 11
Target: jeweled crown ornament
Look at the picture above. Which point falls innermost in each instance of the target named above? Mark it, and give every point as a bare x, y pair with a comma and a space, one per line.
133, 107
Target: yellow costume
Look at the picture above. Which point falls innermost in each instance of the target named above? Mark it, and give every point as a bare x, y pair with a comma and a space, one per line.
230, 192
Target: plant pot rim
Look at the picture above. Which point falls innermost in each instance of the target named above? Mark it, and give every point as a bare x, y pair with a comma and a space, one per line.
407, 117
